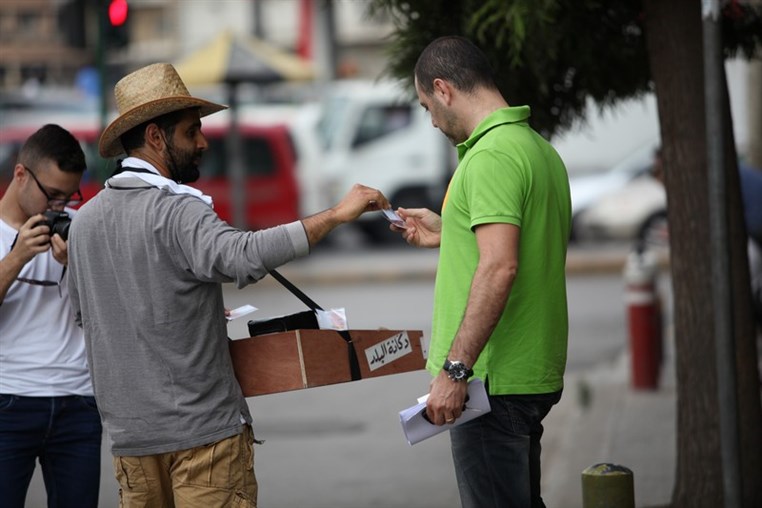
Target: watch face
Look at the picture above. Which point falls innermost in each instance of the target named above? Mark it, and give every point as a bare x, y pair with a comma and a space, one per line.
457, 371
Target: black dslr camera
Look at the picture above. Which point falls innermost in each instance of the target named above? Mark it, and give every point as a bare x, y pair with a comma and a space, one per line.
58, 222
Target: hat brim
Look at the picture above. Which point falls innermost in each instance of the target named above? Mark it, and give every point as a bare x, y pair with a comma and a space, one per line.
110, 145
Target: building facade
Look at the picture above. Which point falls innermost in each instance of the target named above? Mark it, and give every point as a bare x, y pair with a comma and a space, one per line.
50, 41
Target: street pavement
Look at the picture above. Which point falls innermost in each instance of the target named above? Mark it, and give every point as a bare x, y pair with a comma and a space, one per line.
600, 418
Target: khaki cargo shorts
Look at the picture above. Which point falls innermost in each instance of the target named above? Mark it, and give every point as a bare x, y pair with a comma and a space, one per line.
219, 474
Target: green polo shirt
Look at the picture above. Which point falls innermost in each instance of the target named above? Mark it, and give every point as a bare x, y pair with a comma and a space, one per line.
507, 173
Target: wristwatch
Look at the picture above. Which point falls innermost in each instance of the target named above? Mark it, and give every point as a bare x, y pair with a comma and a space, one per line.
457, 371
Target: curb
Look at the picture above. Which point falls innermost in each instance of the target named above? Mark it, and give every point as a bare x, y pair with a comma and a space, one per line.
336, 269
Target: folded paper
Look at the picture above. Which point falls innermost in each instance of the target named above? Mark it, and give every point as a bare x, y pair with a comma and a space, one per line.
417, 428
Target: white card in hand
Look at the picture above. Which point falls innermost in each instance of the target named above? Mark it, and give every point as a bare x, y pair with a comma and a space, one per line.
392, 217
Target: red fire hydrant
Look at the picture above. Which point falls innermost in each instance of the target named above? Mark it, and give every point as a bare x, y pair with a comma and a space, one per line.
644, 318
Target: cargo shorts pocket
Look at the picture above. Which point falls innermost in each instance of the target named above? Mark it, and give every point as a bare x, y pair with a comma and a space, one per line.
130, 474
242, 500
225, 464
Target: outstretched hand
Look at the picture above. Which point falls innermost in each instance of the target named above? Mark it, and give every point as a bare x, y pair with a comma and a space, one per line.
358, 200
423, 228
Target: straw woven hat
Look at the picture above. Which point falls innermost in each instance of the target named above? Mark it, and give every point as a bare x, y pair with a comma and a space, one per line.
145, 94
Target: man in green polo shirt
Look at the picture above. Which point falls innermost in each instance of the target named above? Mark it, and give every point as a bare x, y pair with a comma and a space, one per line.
500, 309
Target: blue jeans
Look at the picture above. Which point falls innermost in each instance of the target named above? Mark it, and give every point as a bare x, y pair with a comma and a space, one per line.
65, 434
497, 456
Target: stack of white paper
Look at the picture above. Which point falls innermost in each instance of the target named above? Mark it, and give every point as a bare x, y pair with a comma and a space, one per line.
240, 311
416, 427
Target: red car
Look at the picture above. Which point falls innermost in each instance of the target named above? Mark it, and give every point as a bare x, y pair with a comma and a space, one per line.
271, 187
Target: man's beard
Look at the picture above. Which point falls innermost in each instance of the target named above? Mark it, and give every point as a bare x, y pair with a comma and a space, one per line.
183, 165
453, 130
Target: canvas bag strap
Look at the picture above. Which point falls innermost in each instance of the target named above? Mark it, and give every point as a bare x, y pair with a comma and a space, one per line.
354, 364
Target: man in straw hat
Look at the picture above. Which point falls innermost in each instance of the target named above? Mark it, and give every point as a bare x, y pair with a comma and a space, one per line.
148, 255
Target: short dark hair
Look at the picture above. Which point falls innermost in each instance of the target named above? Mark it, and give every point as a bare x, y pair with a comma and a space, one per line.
454, 59
135, 137
53, 142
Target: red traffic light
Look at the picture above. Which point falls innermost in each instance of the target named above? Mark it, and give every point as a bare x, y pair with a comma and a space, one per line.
117, 12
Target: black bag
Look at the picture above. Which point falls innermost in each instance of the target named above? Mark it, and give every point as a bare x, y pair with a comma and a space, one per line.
302, 320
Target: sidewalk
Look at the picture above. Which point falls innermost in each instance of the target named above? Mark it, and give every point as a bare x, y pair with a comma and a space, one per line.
602, 419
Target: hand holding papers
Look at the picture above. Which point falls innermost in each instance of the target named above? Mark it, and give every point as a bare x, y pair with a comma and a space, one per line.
417, 428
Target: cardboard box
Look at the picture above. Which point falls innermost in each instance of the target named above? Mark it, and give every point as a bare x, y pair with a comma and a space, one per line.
298, 359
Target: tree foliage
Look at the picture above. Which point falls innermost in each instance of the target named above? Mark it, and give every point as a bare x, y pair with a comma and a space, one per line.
550, 54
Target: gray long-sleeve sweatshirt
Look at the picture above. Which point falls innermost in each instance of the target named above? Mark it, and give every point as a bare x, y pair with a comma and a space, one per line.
145, 272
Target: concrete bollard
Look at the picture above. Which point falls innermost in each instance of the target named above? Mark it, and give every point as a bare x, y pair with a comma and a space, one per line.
607, 486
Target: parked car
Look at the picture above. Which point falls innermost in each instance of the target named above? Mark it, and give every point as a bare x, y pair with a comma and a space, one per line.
638, 210
616, 204
269, 153
376, 134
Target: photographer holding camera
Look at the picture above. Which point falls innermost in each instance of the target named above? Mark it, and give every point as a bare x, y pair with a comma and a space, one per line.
47, 408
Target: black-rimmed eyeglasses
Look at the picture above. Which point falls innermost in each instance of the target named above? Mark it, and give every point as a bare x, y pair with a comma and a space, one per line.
71, 200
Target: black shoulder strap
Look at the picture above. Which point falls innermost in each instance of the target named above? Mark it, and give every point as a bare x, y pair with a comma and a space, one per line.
295, 290
354, 365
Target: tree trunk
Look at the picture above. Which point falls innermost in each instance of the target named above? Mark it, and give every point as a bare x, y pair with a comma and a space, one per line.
674, 38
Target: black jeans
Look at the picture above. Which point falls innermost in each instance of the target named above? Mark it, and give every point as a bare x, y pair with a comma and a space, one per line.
497, 456
65, 434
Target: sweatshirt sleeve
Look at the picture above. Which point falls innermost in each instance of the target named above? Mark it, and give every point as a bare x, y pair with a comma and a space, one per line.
214, 251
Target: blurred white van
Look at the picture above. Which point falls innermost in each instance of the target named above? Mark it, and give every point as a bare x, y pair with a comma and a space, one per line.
376, 133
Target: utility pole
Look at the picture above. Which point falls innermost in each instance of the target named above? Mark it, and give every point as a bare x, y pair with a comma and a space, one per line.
326, 57
754, 98
754, 101
716, 119
259, 27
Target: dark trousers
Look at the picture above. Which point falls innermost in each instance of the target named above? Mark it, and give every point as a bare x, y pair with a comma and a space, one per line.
497, 456
65, 434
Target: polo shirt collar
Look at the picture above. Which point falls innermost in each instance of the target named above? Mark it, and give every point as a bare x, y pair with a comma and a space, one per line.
498, 117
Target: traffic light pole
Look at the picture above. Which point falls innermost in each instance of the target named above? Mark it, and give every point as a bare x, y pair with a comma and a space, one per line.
101, 53
235, 159
101, 56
